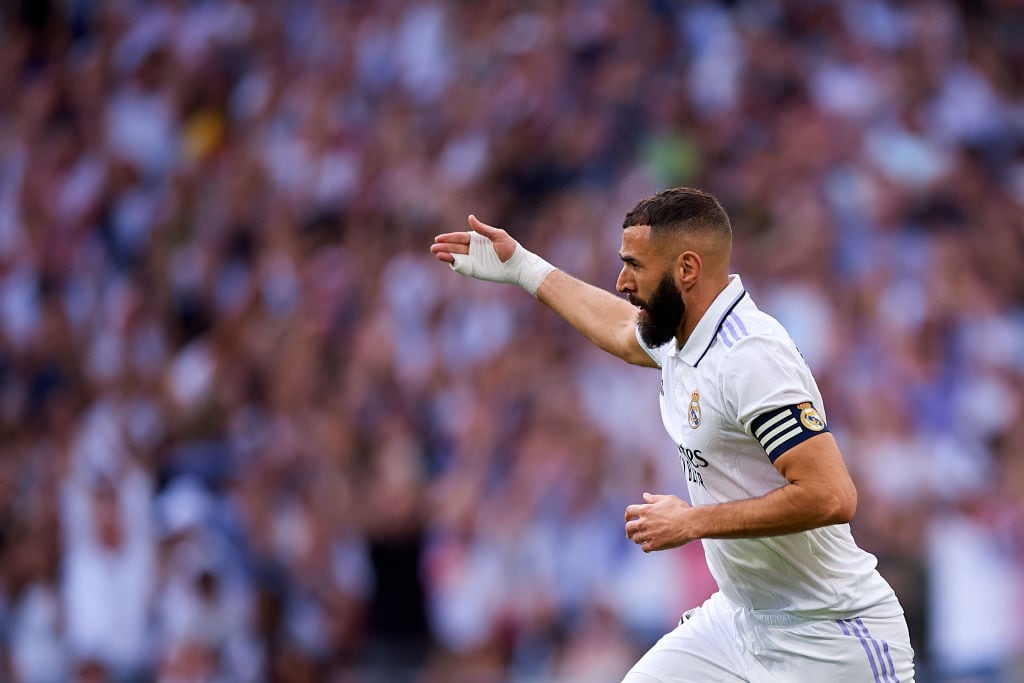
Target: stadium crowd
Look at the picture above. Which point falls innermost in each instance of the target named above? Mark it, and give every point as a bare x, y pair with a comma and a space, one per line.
251, 431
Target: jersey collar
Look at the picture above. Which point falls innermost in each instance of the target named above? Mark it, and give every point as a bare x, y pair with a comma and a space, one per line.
703, 335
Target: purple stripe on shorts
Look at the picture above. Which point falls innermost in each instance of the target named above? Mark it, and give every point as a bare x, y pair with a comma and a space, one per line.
888, 656
885, 648
847, 627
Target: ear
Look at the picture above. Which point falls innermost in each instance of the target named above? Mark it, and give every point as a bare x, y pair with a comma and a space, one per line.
687, 268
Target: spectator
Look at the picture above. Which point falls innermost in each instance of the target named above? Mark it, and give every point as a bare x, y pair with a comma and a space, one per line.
228, 374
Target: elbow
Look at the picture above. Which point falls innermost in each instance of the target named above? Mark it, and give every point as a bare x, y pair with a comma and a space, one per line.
841, 506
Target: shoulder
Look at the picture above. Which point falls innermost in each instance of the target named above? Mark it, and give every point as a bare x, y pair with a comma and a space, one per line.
747, 330
753, 344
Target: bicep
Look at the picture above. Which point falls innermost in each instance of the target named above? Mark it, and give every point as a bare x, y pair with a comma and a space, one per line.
818, 467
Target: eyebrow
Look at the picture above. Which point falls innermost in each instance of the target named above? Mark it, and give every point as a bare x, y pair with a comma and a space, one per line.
627, 258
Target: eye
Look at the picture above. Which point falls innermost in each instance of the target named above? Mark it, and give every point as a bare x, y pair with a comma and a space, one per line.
634, 266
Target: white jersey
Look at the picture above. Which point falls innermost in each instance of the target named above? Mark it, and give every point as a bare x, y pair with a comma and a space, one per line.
733, 399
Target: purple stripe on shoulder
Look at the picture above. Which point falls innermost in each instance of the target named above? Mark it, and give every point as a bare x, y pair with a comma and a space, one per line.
727, 325
739, 323
725, 338
718, 326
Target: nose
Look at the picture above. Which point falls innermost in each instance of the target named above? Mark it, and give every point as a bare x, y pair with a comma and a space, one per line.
625, 282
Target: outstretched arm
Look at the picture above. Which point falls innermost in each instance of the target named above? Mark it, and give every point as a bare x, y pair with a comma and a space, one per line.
600, 316
489, 253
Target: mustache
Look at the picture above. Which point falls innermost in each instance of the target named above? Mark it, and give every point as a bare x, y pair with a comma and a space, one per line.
635, 301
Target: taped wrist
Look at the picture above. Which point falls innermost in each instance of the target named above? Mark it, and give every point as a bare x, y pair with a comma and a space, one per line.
524, 268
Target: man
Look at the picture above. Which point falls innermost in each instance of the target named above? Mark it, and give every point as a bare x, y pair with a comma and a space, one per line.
770, 493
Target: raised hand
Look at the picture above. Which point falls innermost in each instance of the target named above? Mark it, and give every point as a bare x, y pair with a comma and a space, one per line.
447, 245
489, 253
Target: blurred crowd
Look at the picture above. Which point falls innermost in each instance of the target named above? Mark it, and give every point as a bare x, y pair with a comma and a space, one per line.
251, 431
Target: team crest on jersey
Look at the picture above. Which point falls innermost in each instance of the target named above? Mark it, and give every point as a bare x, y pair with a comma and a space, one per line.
809, 417
694, 411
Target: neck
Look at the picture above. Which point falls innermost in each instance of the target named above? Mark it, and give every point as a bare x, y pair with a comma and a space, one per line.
703, 295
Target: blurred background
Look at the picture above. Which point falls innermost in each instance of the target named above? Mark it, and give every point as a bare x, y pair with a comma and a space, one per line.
251, 431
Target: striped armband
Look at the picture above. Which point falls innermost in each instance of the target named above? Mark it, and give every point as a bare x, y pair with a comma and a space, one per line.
780, 429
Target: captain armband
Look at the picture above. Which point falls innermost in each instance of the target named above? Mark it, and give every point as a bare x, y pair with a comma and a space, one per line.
780, 429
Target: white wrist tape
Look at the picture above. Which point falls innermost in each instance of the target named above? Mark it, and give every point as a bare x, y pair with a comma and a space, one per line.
525, 268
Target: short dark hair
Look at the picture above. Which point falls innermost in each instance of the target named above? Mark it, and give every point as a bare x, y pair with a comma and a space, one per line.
678, 210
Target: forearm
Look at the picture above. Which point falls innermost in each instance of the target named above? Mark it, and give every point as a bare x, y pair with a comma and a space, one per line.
602, 317
788, 509
489, 253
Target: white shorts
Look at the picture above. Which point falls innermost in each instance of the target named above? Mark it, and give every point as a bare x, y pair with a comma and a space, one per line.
721, 641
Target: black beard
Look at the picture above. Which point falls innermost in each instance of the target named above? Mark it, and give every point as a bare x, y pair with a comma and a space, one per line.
662, 315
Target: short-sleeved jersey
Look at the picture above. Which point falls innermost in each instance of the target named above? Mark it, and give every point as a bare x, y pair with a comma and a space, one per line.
734, 398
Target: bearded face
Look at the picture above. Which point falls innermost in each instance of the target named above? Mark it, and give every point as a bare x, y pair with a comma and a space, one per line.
661, 314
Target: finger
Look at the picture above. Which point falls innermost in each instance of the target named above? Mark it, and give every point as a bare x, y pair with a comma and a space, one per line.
446, 252
632, 528
439, 248
635, 510
488, 231
445, 257
452, 238
645, 544
654, 497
